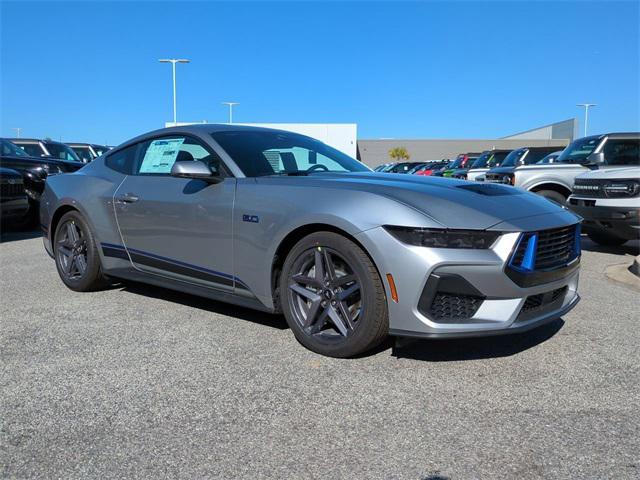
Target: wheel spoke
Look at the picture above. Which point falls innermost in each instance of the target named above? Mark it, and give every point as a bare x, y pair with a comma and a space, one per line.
348, 292
319, 267
81, 264
64, 250
312, 313
329, 267
303, 279
72, 233
337, 321
344, 311
318, 325
68, 264
306, 293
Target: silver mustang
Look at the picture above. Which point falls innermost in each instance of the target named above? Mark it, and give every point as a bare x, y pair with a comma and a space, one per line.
280, 222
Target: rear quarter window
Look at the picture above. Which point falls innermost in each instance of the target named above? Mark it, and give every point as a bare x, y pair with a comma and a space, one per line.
122, 161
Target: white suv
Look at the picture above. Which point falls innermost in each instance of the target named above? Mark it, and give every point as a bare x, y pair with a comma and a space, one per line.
609, 202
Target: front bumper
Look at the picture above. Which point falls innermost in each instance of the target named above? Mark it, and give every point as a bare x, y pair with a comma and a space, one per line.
620, 221
498, 305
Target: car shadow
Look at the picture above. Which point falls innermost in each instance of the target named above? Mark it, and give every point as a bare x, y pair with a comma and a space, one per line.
632, 247
193, 301
12, 234
474, 348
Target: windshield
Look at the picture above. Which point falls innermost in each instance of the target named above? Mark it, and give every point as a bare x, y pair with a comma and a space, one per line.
9, 148
261, 153
514, 158
579, 150
497, 159
456, 163
61, 151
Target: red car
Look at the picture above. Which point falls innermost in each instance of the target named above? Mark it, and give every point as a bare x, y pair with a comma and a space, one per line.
431, 168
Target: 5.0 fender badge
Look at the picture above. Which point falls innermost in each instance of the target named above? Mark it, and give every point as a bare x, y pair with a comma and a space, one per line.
251, 218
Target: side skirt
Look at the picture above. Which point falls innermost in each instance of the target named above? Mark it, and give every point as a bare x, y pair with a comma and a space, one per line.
213, 294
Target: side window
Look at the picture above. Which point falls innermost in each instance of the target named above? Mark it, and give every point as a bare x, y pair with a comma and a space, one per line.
535, 156
122, 161
32, 149
622, 152
158, 156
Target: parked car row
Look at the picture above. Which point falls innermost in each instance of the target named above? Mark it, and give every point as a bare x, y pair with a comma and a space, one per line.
596, 176
33, 161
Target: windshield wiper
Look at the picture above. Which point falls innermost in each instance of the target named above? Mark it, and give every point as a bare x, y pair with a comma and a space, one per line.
292, 173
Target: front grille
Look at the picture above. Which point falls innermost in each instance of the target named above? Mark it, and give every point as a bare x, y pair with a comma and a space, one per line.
547, 249
11, 189
452, 306
588, 188
606, 188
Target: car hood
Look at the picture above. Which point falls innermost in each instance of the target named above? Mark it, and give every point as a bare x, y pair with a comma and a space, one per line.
452, 203
612, 173
501, 170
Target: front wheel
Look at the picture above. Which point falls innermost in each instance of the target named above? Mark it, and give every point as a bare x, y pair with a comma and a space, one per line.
553, 196
76, 254
332, 296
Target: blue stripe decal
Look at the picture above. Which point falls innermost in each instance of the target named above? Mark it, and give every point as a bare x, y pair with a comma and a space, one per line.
176, 262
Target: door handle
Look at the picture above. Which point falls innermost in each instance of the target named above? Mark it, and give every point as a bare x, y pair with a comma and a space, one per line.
127, 198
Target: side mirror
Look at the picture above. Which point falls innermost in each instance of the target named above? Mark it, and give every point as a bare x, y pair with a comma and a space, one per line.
594, 159
194, 169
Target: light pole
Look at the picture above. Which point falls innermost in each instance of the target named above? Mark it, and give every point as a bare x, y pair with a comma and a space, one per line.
586, 114
231, 105
18, 130
173, 62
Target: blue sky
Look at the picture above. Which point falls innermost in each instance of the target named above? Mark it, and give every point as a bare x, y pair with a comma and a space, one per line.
88, 71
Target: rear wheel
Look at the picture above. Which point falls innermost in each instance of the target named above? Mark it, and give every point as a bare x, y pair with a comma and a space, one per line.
76, 254
332, 296
605, 239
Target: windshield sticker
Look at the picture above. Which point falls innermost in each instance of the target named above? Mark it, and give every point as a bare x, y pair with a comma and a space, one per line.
161, 155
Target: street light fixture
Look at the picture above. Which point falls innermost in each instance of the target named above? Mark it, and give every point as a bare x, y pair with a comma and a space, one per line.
173, 62
231, 105
586, 114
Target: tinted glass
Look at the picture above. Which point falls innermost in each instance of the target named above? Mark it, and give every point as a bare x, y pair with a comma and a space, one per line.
497, 159
32, 149
100, 150
622, 152
579, 150
514, 158
123, 160
83, 153
61, 151
9, 148
535, 156
260, 153
158, 155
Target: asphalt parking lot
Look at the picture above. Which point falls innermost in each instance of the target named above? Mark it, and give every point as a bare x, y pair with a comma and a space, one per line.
142, 382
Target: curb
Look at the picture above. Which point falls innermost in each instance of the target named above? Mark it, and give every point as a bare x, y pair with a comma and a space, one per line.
635, 266
622, 274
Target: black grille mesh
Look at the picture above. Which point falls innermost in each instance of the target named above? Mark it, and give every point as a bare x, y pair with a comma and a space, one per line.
447, 305
11, 189
555, 247
534, 302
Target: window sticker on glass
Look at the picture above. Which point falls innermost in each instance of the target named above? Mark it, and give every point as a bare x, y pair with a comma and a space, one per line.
161, 155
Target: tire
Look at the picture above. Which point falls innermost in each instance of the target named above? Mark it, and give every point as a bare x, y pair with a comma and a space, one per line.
605, 239
553, 195
338, 309
79, 275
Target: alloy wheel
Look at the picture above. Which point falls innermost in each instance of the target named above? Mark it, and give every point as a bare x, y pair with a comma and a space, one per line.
71, 250
325, 294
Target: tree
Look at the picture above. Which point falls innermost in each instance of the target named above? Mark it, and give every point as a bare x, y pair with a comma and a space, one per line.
399, 154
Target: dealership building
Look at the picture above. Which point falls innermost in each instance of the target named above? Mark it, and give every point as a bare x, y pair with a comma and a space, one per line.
373, 152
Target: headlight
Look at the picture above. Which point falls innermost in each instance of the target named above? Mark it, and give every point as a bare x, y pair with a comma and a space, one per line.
509, 179
436, 238
622, 188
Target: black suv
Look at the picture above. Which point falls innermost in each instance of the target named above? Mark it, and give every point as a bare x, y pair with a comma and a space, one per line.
46, 148
34, 170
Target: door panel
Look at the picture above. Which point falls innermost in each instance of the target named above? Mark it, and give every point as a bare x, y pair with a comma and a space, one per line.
178, 228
